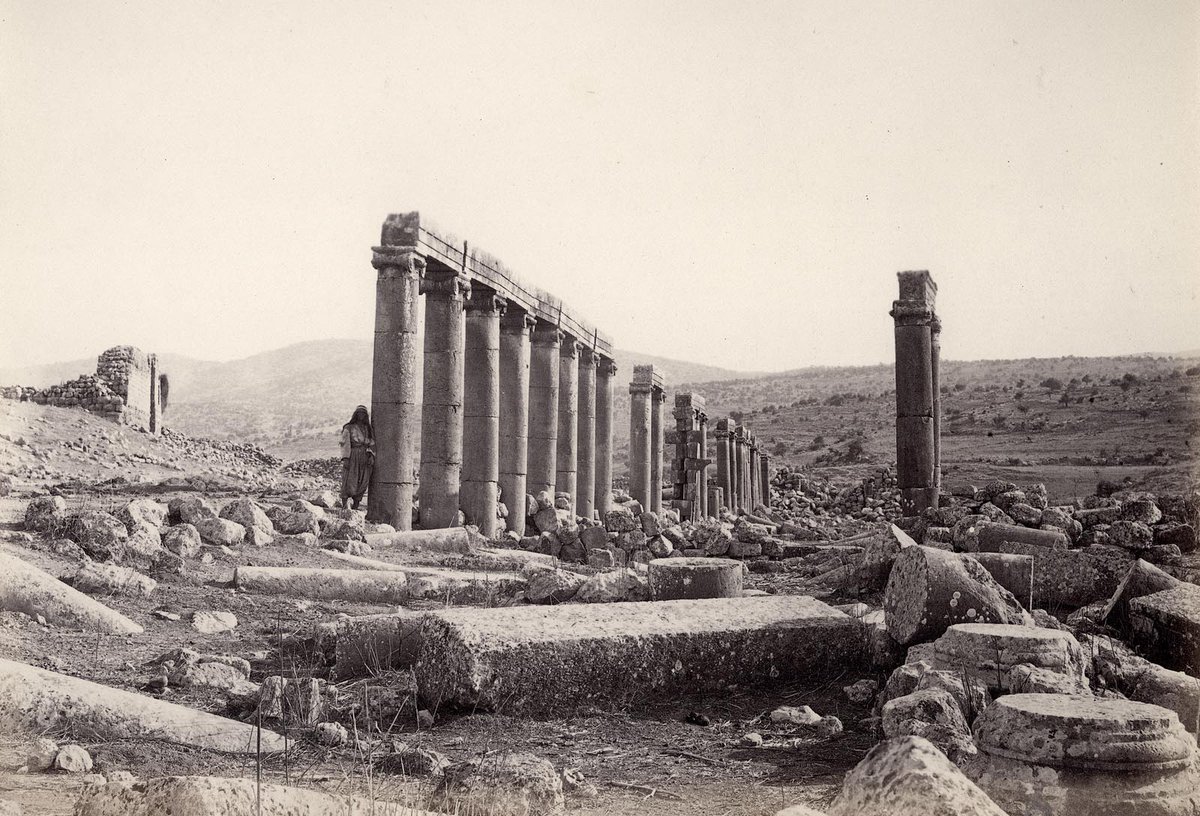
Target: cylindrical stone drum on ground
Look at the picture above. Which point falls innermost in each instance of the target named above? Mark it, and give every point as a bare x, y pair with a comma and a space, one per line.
673, 579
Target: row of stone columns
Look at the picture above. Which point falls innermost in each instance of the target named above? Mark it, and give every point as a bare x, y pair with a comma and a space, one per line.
743, 471
918, 402
510, 404
690, 464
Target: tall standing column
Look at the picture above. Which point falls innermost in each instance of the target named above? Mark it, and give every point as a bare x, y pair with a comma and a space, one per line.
394, 397
752, 464
658, 441
640, 437
543, 407
916, 429
441, 410
605, 372
724, 471
935, 348
702, 476
738, 500
515, 326
764, 478
481, 411
585, 467
568, 419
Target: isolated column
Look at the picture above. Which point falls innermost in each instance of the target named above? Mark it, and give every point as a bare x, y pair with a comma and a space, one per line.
724, 472
764, 478
916, 432
442, 405
394, 396
585, 443
658, 441
605, 373
702, 476
481, 411
543, 407
935, 346
515, 327
568, 418
640, 424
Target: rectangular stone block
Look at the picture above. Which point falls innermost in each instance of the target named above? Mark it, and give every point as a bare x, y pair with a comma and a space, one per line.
539, 660
1165, 626
1068, 579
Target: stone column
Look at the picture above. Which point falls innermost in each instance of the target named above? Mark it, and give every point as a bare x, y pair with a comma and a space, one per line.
935, 347
605, 373
724, 469
737, 502
658, 442
543, 407
764, 478
442, 406
640, 438
752, 464
916, 430
702, 476
568, 418
395, 407
585, 468
515, 327
481, 411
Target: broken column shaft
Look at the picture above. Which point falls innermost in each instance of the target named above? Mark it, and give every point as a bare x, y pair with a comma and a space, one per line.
543, 408
394, 406
605, 372
481, 411
515, 326
916, 394
568, 418
585, 443
442, 404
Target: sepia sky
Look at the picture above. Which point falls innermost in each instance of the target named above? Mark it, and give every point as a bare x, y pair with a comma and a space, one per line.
732, 183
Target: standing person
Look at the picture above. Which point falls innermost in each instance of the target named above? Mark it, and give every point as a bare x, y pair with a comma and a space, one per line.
358, 457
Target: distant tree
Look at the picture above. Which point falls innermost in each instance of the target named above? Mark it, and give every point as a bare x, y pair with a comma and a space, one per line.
854, 450
1087, 378
835, 400
1051, 384
1065, 399
780, 449
736, 416
1020, 395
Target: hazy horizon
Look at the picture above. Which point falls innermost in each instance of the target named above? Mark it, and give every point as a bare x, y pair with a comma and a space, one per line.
729, 185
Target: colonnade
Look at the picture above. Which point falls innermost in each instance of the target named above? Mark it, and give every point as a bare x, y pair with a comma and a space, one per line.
515, 398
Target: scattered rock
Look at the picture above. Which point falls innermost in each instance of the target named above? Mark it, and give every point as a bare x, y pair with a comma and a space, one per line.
509, 784
210, 623
73, 759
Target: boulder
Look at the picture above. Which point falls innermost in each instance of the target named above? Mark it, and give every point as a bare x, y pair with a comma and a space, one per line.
183, 540
189, 510
933, 714
45, 514
989, 652
220, 532
300, 517
608, 587
502, 784
551, 586
109, 579
101, 535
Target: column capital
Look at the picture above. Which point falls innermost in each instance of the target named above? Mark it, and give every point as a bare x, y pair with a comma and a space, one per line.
935, 326
446, 285
569, 347
588, 356
486, 300
397, 261
516, 321
911, 313
657, 394
640, 388
607, 367
546, 334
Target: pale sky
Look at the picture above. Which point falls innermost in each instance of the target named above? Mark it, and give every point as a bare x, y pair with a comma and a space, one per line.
731, 183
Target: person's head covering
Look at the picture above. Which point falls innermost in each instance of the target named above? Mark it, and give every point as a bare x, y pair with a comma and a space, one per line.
362, 417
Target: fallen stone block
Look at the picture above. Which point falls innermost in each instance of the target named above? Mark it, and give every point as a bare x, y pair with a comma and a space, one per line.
1142, 579
365, 586
933, 714
540, 659
612, 587
368, 645
929, 590
1013, 572
461, 540
462, 587
219, 796
551, 586
36, 699
1073, 755
989, 652
110, 579
673, 579
25, 588
504, 784
1063, 578
1165, 626
989, 535
908, 776
45, 514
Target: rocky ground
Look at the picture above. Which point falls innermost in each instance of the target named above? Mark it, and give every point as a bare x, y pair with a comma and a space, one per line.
170, 520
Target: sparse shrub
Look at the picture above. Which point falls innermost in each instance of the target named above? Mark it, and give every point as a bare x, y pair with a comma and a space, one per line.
1194, 371
1051, 384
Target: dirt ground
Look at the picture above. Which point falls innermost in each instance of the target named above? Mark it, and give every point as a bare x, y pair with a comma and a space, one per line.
679, 767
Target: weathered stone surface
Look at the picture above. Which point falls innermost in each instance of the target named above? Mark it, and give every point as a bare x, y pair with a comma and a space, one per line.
373, 644
462, 540
73, 759
990, 651
110, 579
101, 535
1013, 572
1131, 535
366, 586
910, 777
210, 623
1143, 511
593, 653
217, 796
991, 534
143, 512
45, 514
1142, 579
25, 588
247, 513
299, 517
1166, 627
551, 586
505, 784
220, 532
189, 510
1064, 578
676, 578
1072, 755
183, 540
41, 700
1029, 679
609, 587
41, 754
929, 590
933, 714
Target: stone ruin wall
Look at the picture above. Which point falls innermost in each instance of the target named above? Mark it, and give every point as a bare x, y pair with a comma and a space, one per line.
124, 389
